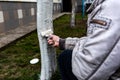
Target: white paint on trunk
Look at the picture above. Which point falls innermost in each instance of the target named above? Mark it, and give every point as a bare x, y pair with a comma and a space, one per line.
45, 22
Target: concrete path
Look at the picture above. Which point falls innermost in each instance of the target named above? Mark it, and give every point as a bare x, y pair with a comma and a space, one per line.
20, 32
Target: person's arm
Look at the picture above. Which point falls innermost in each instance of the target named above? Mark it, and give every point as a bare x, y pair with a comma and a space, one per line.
70, 42
67, 43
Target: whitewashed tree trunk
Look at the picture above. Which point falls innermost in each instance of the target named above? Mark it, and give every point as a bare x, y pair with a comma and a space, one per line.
73, 12
45, 22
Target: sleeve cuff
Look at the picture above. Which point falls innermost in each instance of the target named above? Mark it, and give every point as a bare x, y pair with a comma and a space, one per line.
62, 44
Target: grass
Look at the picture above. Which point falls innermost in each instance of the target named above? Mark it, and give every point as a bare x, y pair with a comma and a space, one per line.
63, 29
14, 60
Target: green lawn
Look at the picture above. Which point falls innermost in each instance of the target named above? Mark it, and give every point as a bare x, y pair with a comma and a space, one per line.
14, 61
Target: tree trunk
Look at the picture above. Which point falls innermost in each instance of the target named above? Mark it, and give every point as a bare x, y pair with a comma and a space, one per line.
44, 23
73, 13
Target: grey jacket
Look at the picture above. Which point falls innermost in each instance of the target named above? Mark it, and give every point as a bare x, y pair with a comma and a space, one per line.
97, 56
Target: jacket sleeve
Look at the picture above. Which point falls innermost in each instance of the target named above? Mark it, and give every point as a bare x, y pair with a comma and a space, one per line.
71, 42
103, 35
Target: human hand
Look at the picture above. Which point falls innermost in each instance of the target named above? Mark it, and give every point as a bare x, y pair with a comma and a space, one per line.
53, 40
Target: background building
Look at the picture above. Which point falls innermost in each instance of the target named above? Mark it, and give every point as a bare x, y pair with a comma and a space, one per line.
16, 13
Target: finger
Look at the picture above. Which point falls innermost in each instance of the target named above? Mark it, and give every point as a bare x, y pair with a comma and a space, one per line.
51, 42
50, 38
55, 44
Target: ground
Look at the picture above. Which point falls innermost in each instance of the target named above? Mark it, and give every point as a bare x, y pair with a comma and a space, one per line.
15, 58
